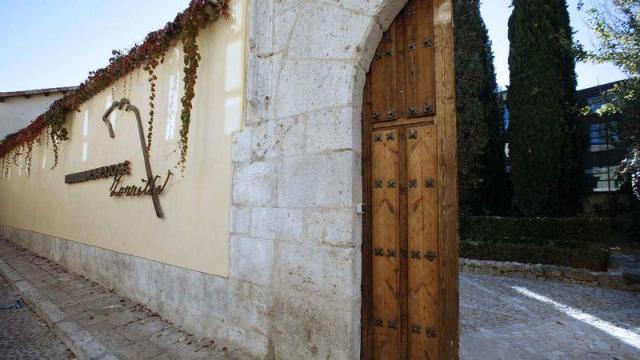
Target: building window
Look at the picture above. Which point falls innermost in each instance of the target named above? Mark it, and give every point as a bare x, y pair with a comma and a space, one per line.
595, 103
506, 116
603, 136
603, 179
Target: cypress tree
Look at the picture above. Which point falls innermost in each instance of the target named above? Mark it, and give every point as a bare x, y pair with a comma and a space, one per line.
480, 152
495, 189
541, 101
571, 181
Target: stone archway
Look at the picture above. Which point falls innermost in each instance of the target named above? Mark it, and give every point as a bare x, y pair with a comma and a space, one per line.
296, 237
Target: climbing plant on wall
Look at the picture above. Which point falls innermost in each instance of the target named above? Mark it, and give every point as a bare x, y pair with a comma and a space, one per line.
185, 27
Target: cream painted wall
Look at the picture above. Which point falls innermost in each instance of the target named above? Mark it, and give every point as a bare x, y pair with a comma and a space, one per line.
195, 232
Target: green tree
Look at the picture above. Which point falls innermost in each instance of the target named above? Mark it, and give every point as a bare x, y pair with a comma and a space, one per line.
617, 26
571, 180
543, 135
480, 145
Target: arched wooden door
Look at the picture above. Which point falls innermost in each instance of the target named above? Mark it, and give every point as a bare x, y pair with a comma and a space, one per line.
407, 281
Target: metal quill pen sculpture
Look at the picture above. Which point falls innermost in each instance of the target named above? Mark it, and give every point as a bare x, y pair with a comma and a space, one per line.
126, 106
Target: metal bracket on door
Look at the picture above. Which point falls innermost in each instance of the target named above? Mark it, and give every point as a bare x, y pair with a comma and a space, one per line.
430, 255
428, 109
361, 208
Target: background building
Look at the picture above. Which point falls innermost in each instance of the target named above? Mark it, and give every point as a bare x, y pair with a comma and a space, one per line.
19, 108
601, 153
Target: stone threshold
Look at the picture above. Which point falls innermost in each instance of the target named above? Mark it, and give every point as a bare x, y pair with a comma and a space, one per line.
94, 322
611, 279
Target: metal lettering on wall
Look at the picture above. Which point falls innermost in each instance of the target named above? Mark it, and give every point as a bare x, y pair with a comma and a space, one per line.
118, 190
103, 172
117, 171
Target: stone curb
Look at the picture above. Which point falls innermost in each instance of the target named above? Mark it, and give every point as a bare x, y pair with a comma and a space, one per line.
614, 280
80, 341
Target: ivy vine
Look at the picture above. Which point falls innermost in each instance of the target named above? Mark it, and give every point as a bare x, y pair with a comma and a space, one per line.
191, 61
150, 68
185, 27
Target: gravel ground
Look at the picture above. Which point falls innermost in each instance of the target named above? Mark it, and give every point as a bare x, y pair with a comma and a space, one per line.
22, 334
509, 318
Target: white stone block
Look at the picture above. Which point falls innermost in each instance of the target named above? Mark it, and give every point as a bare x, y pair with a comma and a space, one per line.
215, 295
368, 7
255, 185
316, 181
283, 26
368, 46
339, 37
249, 342
240, 220
260, 88
277, 223
314, 327
317, 270
281, 6
248, 306
387, 12
261, 26
242, 145
310, 85
251, 260
259, 192
330, 226
279, 138
330, 130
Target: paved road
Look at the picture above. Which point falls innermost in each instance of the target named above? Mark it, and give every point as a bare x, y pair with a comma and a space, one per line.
23, 335
506, 318
500, 318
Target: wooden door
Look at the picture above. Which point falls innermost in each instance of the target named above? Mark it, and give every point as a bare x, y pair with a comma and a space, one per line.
409, 248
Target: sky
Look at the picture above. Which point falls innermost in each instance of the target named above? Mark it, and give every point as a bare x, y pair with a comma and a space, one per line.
54, 43
496, 16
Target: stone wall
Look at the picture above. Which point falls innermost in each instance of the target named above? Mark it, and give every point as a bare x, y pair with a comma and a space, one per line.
296, 237
612, 279
294, 285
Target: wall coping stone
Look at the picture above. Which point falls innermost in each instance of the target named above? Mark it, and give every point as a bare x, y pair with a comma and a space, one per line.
611, 279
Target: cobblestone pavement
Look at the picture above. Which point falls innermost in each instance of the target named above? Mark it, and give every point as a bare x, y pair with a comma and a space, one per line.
500, 318
509, 318
23, 335
98, 320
